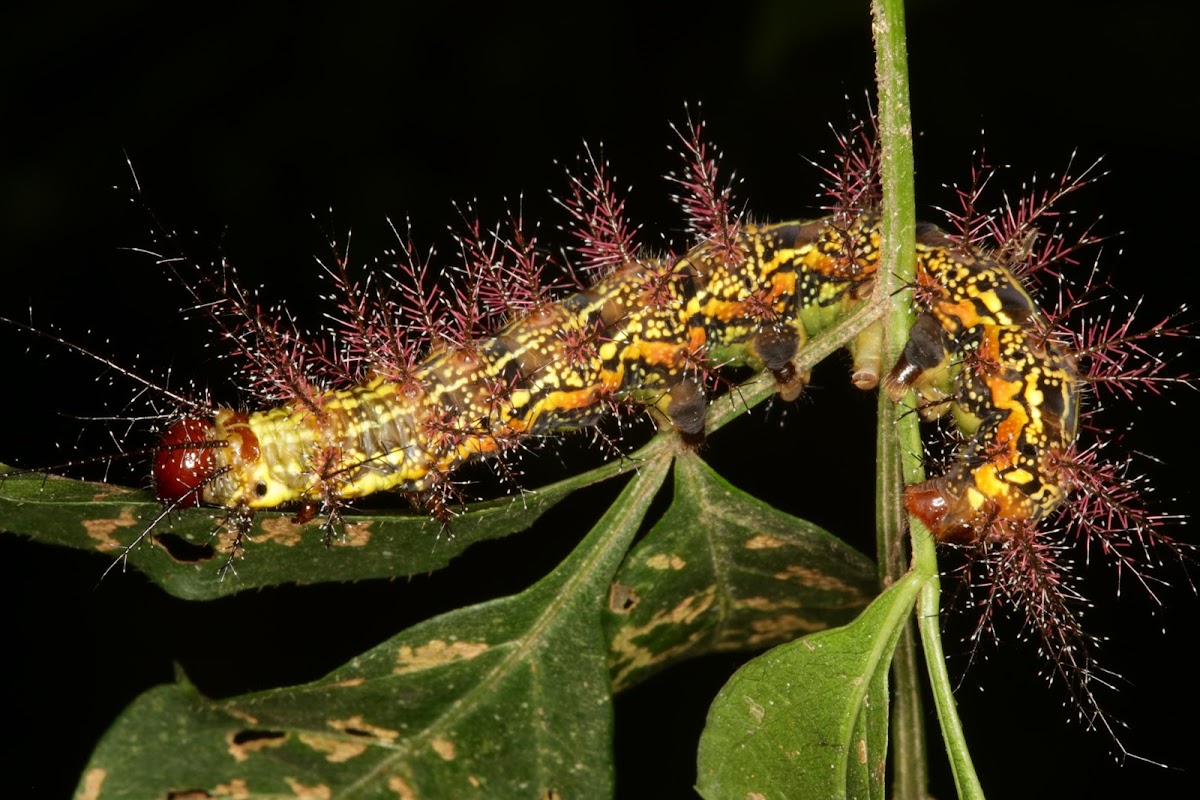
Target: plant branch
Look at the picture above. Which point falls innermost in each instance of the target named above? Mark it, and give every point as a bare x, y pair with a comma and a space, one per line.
900, 451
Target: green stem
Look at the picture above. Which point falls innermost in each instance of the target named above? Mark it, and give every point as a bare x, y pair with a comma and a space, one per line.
899, 449
898, 433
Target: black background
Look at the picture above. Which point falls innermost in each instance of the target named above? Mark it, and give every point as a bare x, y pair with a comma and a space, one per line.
241, 123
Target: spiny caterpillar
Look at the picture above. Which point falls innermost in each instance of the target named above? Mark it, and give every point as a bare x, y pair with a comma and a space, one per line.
648, 333
416, 384
651, 331
981, 342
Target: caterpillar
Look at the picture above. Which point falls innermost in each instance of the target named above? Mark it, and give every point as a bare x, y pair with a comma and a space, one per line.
980, 345
650, 333
390, 414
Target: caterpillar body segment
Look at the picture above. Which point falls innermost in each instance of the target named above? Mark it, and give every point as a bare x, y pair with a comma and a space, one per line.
650, 332
979, 348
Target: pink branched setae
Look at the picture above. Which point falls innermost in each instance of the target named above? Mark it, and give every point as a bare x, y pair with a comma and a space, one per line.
524, 274
365, 324
604, 236
374, 333
1121, 359
279, 362
354, 323
849, 183
1031, 234
969, 223
1035, 235
469, 306
504, 275
1110, 506
706, 200
1108, 512
419, 309
1025, 573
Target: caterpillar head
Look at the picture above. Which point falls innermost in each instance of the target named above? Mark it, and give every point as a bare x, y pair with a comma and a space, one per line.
189, 458
964, 513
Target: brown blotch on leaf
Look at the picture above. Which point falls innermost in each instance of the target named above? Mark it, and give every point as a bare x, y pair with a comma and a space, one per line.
665, 561
400, 786
354, 534
782, 628
236, 789
814, 579
93, 782
280, 530
102, 529
763, 541
444, 748
435, 654
318, 791
336, 750
622, 598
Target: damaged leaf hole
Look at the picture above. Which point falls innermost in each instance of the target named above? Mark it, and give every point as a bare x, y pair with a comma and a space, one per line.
359, 732
245, 737
184, 552
188, 794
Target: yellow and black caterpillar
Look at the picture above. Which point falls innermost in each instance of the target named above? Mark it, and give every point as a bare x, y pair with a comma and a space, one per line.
981, 348
651, 332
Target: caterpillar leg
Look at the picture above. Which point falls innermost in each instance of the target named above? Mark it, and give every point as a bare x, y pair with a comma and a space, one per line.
686, 408
867, 349
776, 348
924, 367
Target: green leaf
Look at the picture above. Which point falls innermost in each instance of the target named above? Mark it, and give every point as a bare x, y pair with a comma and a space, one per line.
508, 698
722, 570
809, 718
186, 552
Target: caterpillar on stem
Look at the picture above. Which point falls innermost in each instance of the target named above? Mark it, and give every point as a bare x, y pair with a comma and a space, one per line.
418, 383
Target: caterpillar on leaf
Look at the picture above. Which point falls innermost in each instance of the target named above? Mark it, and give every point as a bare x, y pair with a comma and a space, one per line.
651, 331
416, 383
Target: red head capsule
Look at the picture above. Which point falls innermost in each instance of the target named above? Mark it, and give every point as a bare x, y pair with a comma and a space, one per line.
927, 502
179, 470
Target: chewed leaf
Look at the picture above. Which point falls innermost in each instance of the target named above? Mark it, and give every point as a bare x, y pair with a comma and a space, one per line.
186, 552
721, 570
508, 698
809, 718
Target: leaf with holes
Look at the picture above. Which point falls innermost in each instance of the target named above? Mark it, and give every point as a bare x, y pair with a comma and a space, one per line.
509, 698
